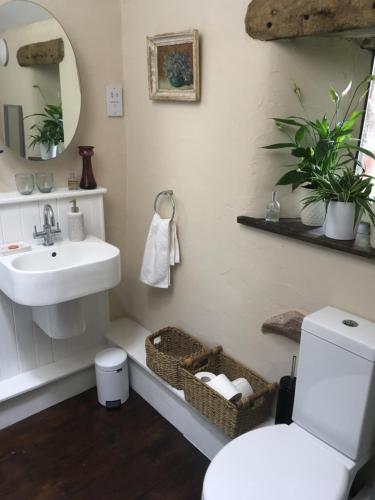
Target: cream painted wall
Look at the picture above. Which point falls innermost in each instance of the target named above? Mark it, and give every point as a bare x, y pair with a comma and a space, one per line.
231, 278
95, 34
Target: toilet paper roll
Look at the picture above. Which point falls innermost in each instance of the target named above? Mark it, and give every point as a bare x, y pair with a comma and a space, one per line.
224, 386
243, 386
205, 376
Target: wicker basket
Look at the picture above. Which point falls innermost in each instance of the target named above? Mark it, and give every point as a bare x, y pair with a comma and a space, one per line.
232, 418
166, 349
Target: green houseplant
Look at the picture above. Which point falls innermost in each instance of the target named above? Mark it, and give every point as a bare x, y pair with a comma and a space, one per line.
48, 132
346, 195
319, 147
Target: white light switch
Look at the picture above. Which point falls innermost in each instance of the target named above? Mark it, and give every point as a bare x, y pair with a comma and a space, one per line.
114, 100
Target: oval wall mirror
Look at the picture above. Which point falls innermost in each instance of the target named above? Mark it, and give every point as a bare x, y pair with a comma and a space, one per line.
40, 96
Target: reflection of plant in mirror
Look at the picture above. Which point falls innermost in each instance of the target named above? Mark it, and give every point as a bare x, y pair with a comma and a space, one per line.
50, 130
178, 70
321, 146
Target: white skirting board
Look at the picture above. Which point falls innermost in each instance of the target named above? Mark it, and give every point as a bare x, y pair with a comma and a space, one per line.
38, 389
169, 402
16, 409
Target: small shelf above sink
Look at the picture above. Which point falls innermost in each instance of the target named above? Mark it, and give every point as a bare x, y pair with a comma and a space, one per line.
293, 228
57, 193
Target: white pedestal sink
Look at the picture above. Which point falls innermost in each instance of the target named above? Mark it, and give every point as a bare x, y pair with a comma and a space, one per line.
65, 271
50, 278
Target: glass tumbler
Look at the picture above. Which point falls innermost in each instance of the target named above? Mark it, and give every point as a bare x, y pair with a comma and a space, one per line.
25, 183
44, 181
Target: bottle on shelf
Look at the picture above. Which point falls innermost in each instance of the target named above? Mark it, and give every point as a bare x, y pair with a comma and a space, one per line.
273, 209
73, 181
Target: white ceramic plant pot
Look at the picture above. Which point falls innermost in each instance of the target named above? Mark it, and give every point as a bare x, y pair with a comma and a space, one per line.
47, 154
314, 214
340, 221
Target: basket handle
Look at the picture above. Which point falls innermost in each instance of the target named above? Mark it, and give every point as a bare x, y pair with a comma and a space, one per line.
193, 361
268, 389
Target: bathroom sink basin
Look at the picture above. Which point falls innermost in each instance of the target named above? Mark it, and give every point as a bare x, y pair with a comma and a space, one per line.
65, 271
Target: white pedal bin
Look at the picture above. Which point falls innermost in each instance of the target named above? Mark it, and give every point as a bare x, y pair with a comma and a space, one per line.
112, 379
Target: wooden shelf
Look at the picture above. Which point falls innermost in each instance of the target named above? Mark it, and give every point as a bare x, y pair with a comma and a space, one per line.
293, 228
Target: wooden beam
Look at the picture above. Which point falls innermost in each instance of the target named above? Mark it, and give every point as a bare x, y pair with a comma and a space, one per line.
51, 52
275, 19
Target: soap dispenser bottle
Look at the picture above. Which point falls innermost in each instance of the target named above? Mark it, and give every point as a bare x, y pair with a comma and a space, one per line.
75, 223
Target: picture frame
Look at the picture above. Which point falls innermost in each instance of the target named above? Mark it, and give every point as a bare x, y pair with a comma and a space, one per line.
173, 66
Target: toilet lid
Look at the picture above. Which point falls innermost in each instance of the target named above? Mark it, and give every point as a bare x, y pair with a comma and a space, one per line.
277, 462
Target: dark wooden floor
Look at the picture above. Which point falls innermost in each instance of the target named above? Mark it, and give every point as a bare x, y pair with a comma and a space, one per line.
79, 450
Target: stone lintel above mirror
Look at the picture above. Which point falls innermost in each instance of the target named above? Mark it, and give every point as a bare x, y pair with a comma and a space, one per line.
34, 54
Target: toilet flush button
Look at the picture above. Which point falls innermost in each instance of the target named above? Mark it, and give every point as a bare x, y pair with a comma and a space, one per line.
350, 322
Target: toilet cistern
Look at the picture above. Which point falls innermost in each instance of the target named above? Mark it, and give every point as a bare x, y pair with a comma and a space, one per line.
49, 229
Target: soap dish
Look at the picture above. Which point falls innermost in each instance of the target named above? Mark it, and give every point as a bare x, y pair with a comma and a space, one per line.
15, 247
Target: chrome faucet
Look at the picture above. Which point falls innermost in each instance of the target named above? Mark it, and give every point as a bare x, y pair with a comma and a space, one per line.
49, 229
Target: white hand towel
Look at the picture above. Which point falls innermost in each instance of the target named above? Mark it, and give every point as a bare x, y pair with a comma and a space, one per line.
175, 247
161, 249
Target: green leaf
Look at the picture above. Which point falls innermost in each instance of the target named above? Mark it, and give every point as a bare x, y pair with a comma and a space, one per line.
280, 145
321, 150
301, 152
350, 122
293, 177
300, 134
341, 134
287, 121
362, 150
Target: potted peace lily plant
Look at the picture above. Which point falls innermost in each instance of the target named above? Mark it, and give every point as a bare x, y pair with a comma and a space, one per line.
320, 147
346, 195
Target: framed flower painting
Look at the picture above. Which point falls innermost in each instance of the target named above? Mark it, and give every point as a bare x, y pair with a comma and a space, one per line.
173, 66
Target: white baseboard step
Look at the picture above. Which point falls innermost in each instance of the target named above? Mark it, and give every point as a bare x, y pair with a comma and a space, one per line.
169, 402
18, 385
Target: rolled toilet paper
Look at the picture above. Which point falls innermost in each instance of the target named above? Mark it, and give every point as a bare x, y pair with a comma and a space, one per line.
243, 386
224, 386
205, 376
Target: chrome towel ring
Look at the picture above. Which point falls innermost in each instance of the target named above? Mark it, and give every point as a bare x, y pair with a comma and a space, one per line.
169, 194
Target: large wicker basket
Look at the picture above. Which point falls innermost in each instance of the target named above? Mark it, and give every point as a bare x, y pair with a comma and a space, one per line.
232, 418
166, 349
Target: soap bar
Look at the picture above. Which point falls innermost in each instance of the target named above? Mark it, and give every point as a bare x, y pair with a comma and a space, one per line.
14, 247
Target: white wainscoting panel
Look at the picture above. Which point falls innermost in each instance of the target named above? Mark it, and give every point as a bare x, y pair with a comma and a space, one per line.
23, 345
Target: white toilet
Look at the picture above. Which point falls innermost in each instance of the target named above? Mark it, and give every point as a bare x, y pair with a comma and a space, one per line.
333, 433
